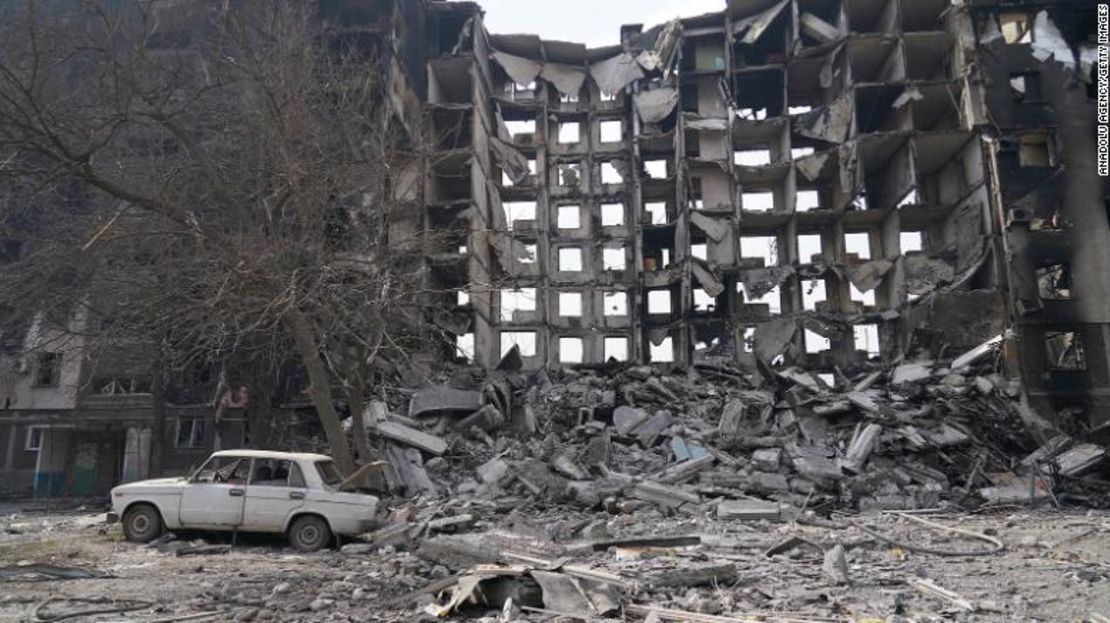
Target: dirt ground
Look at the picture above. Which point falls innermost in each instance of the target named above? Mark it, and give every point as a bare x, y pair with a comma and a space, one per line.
1055, 567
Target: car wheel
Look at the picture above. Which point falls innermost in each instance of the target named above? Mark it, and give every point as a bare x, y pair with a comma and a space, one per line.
309, 533
142, 523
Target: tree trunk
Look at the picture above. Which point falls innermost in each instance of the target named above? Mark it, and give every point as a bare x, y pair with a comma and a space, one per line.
260, 410
320, 392
357, 400
158, 424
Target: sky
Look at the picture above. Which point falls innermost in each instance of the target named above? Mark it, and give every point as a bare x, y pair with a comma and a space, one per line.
593, 22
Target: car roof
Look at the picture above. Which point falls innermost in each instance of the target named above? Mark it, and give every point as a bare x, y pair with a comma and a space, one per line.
270, 454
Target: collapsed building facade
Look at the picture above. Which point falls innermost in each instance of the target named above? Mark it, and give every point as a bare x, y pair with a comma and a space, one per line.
827, 184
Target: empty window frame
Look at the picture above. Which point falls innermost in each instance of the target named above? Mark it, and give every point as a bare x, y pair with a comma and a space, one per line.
519, 211
615, 304
813, 292
529, 256
612, 258
610, 174
1064, 351
765, 247
570, 259
866, 298
571, 350
521, 128
657, 210
1035, 150
815, 342
772, 298
568, 217
522, 299
703, 302
48, 369
616, 348
569, 175
663, 352
462, 297
659, 302
570, 304
752, 157
570, 132
612, 214
656, 169
859, 244
525, 340
760, 201
866, 337
700, 250
611, 131
910, 241
508, 181
807, 200
809, 245
800, 152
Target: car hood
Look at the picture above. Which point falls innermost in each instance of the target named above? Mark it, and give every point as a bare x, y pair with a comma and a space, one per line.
146, 485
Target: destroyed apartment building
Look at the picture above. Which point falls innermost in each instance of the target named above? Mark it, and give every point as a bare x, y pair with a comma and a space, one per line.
831, 186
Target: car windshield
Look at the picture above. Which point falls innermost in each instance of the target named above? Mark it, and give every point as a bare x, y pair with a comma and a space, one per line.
329, 473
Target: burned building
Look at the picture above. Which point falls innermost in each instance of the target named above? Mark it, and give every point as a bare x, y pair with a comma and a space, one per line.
823, 183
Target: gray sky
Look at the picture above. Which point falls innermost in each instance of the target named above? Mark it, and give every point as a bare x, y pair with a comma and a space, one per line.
593, 22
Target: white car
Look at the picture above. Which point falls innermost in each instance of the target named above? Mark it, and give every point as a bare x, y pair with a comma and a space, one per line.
249, 491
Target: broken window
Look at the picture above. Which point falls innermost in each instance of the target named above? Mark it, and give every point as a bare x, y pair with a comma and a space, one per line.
519, 211
568, 98
700, 251
866, 298
611, 131
800, 152
772, 298
48, 369
747, 340
612, 258
911, 241
33, 442
190, 432
809, 245
703, 301
462, 297
570, 304
663, 353
569, 217
525, 340
569, 175
569, 133
815, 342
866, 338
1034, 151
464, 346
765, 247
508, 181
610, 174
520, 129
522, 299
657, 210
616, 303
913, 197
570, 350
801, 109
656, 169
616, 348
808, 200
758, 201
813, 292
529, 256
659, 301
1064, 351
752, 157
612, 214
858, 244
1054, 281
570, 259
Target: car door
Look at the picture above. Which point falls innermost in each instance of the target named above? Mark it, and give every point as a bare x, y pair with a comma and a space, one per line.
277, 488
215, 498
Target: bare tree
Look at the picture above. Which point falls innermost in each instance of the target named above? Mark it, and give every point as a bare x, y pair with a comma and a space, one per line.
213, 177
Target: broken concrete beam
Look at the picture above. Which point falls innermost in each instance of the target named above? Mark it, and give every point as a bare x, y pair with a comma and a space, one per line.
911, 372
861, 447
444, 399
767, 459
835, 565
729, 425
493, 471
685, 470
864, 401
817, 469
489, 418
1079, 459
411, 437
648, 432
976, 353
626, 419
818, 28
748, 510
1050, 449
663, 495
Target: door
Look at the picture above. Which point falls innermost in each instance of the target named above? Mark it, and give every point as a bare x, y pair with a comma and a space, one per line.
276, 489
215, 497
